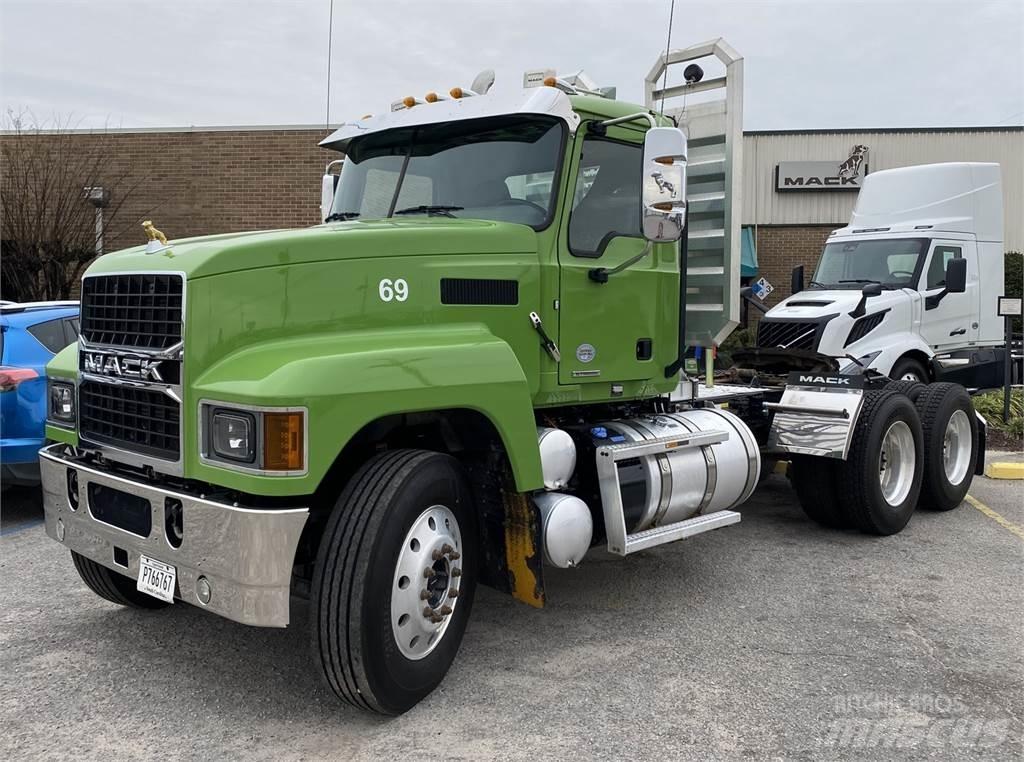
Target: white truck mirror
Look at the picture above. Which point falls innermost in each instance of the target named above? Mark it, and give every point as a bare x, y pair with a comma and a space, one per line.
663, 202
328, 185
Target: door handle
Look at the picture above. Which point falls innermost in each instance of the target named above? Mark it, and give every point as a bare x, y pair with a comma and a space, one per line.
958, 332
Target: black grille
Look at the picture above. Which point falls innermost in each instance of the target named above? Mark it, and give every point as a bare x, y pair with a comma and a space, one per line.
140, 310
145, 421
479, 291
864, 326
790, 334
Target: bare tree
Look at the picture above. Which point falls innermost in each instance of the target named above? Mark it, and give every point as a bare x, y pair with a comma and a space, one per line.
49, 227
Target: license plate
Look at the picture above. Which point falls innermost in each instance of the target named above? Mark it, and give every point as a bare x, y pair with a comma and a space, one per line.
156, 578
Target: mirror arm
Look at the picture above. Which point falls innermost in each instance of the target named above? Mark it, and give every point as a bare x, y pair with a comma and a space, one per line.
932, 301
600, 274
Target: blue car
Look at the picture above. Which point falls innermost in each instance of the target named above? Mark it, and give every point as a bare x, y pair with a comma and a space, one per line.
30, 334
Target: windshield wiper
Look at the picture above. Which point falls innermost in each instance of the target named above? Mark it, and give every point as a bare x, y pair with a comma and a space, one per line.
341, 216
861, 280
816, 284
445, 211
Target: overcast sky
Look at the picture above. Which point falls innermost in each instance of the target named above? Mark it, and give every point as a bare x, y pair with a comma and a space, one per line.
809, 63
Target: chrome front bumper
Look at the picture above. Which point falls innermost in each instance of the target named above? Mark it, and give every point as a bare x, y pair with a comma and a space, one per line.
246, 554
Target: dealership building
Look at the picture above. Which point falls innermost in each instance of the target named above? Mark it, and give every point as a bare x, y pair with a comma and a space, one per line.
794, 194
194, 181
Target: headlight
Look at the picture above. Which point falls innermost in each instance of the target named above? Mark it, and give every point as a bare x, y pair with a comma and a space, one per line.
233, 435
265, 440
61, 409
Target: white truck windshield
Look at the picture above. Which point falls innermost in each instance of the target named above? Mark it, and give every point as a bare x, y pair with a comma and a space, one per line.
892, 262
499, 168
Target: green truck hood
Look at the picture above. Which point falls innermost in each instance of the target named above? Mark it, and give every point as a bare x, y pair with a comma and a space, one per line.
420, 236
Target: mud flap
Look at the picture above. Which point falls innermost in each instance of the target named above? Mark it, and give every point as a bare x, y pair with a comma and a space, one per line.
510, 549
522, 549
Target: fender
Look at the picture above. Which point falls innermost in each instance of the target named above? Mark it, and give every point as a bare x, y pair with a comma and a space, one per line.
347, 380
895, 346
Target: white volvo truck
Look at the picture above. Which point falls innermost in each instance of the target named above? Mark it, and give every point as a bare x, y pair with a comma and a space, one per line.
909, 288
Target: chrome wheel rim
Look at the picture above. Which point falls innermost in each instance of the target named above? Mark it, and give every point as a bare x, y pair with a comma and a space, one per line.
956, 447
425, 587
896, 463
910, 376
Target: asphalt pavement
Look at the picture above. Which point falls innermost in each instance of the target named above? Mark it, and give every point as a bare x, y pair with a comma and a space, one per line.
771, 639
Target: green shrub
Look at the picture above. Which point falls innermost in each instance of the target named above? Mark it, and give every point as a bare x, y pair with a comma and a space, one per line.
990, 405
1014, 275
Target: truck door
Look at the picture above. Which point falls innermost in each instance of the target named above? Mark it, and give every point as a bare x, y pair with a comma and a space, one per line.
608, 332
953, 322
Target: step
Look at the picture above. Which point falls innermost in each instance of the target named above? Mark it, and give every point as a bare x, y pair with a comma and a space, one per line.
650, 538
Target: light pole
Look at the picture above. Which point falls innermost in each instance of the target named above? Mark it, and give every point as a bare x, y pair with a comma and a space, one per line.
99, 197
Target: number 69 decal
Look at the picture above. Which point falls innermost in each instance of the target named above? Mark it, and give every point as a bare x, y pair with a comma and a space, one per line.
389, 290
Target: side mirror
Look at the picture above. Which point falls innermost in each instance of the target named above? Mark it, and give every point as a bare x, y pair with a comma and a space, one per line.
869, 290
956, 275
796, 280
328, 185
663, 202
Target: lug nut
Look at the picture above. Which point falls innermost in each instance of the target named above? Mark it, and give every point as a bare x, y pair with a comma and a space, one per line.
456, 572
428, 612
437, 555
453, 593
444, 610
429, 572
453, 556
446, 548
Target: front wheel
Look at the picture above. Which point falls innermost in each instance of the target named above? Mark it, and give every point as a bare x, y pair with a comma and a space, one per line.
909, 369
394, 580
111, 586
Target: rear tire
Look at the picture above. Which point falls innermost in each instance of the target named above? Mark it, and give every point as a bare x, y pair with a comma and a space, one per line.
880, 480
814, 480
114, 587
379, 645
950, 430
912, 389
909, 369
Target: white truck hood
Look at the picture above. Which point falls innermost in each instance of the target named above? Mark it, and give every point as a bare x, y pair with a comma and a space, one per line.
818, 303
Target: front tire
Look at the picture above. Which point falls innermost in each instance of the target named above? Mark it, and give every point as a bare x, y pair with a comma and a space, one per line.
950, 445
880, 480
111, 586
394, 580
909, 369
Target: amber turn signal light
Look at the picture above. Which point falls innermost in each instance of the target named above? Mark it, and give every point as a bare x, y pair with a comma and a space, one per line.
283, 442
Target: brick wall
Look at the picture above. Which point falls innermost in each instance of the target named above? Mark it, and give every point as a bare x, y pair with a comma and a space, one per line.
197, 182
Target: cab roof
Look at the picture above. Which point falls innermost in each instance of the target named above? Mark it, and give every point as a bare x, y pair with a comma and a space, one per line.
546, 101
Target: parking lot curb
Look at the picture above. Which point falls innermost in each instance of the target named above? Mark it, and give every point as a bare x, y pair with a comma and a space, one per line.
1004, 470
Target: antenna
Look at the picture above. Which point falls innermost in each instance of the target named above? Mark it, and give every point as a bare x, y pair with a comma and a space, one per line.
668, 46
330, 40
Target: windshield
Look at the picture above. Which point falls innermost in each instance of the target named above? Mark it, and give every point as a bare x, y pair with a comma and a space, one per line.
499, 168
850, 264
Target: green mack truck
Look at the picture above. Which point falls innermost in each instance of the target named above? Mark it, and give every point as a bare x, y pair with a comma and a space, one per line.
471, 369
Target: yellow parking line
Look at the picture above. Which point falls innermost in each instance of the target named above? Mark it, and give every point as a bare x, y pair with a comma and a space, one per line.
1002, 521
